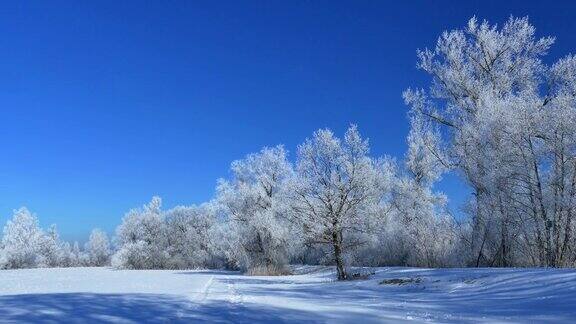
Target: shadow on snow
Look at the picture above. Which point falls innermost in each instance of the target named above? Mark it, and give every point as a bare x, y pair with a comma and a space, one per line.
135, 308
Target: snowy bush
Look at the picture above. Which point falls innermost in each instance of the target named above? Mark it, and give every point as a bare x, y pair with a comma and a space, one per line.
141, 238
180, 238
190, 237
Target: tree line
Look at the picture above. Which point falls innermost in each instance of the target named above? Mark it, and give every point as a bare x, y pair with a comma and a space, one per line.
495, 113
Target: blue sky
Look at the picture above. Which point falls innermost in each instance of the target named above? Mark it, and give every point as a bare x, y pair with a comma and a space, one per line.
106, 103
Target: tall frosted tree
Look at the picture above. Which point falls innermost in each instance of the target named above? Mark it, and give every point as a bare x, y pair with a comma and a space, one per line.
509, 125
335, 192
421, 219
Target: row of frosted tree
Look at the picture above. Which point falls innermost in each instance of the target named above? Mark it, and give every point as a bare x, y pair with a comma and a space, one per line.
496, 114
25, 244
335, 205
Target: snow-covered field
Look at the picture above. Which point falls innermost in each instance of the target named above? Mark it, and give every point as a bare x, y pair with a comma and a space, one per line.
81, 295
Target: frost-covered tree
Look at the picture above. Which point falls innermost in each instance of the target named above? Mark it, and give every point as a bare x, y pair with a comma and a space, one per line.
98, 248
142, 239
66, 258
426, 231
21, 241
77, 257
25, 245
509, 122
51, 252
252, 201
190, 236
335, 192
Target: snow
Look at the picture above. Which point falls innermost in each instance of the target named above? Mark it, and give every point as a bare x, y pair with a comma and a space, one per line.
85, 295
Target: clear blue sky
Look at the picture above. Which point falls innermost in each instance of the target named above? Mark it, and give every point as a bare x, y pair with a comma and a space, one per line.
106, 103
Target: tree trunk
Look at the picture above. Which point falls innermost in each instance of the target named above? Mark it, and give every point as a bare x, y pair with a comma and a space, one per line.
481, 248
337, 244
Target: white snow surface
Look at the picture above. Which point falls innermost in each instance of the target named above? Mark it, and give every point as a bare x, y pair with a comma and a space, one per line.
102, 295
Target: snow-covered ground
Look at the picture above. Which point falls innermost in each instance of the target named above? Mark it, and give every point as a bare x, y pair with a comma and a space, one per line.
84, 295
